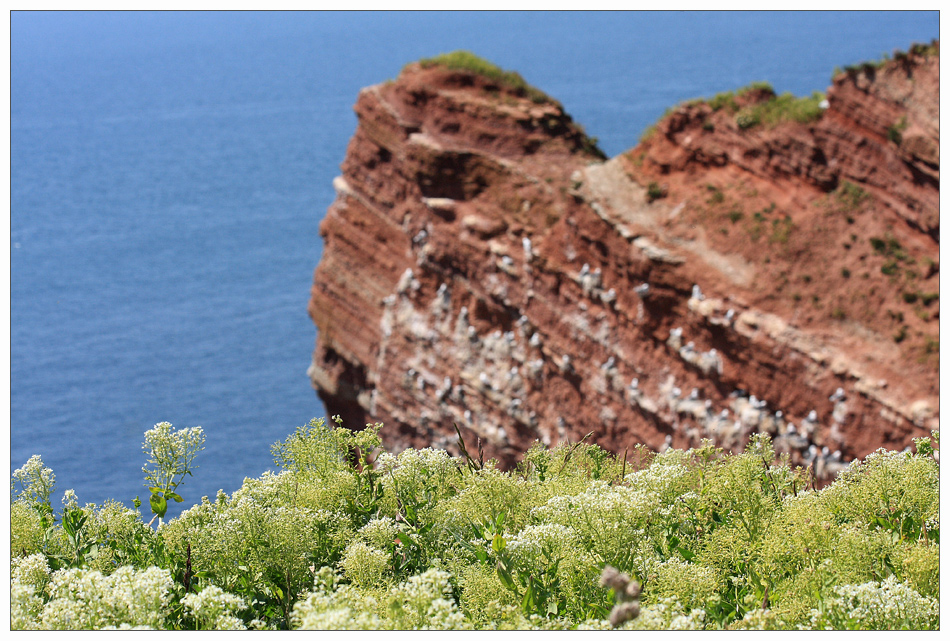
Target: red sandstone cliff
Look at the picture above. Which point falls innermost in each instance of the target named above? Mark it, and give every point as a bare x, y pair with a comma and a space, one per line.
483, 266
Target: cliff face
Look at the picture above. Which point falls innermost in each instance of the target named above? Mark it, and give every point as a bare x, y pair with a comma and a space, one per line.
484, 266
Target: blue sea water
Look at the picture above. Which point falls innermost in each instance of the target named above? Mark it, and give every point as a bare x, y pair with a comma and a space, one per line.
169, 172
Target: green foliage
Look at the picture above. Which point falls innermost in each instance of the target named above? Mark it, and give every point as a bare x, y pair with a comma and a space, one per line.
928, 297
724, 100
32, 485
779, 109
171, 458
313, 450
918, 49
468, 61
727, 99
748, 117
781, 230
895, 131
655, 191
716, 196
771, 111
424, 540
850, 196
885, 605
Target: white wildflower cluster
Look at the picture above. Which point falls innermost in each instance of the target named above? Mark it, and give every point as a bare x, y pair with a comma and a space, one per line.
365, 565
888, 605
690, 583
325, 580
423, 602
444, 614
659, 477
594, 624
607, 523
379, 532
70, 502
386, 461
214, 609
83, 599
758, 619
259, 529
28, 578
171, 453
268, 487
415, 474
342, 609
880, 457
528, 546
433, 462
668, 614
601, 512
32, 483
30, 570
426, 601
26, 607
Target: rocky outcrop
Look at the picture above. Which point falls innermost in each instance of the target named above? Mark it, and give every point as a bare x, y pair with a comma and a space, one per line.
484, 266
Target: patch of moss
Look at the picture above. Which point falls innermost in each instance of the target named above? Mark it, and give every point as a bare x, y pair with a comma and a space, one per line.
895, 131
917, 49
655, 191
779, 109
850, 196
781, 230
467, 61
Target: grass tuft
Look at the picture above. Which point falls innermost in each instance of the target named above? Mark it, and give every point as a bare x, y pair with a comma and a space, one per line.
467, 61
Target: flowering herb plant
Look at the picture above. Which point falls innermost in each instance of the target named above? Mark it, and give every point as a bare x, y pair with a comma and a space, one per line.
348, 536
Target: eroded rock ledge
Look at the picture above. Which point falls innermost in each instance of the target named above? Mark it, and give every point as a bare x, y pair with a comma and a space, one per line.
484, 266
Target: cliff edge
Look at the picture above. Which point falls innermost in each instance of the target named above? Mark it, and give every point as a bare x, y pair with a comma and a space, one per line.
757, 263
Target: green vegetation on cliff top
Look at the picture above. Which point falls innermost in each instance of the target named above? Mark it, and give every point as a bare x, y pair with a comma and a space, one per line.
785, 107
468, 61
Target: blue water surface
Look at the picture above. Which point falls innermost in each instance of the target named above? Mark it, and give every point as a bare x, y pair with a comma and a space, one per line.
169, 172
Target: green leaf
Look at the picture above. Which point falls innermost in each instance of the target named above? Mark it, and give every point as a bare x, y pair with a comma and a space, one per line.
498, 543
158, 504
174, 497
505, 576
528, 602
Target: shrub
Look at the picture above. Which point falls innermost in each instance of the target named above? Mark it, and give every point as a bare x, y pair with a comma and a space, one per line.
851, 196
748, 117
895, 131
774, 110
655, 191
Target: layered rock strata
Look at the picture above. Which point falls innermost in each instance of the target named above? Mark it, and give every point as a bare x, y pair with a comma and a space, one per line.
485, 267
